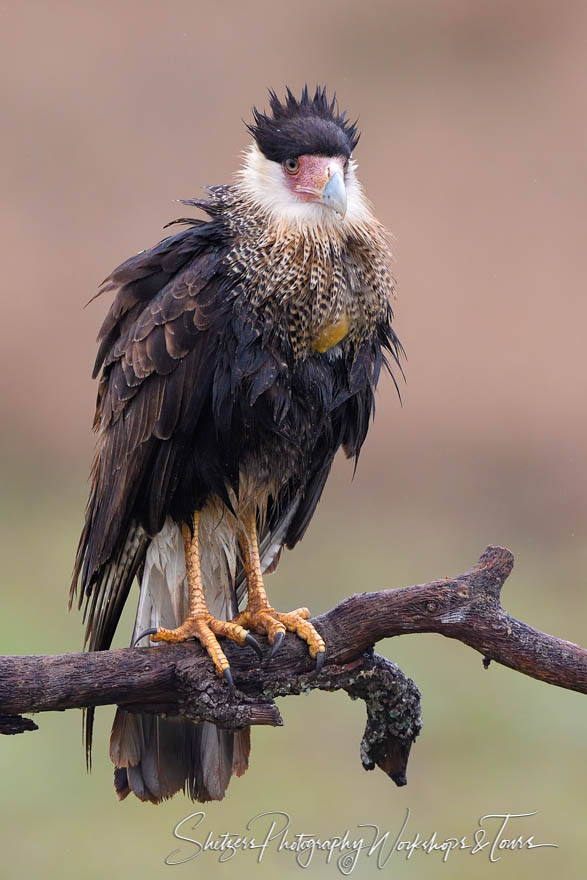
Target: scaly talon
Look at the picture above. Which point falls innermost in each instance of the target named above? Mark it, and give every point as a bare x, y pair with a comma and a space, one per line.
205, 628
297, 622
147, 632
254, 644
200, 624
275, 623
276, 644
302, 612
259, 616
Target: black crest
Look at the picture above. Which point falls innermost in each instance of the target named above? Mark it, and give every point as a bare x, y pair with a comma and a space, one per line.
305, 127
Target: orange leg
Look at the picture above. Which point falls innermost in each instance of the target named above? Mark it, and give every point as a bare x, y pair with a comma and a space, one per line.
200, 623
259, 615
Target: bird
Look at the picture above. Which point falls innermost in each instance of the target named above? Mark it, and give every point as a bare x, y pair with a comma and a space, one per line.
237, 357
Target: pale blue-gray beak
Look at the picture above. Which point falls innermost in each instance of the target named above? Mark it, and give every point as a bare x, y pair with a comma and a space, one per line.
334, 194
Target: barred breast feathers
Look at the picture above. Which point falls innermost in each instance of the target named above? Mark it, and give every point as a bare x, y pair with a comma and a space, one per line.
305, 270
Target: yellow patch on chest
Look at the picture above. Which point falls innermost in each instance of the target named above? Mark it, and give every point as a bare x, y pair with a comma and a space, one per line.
330, 335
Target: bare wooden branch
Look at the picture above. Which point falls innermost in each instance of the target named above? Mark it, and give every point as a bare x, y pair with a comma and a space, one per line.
466, 608
177, 679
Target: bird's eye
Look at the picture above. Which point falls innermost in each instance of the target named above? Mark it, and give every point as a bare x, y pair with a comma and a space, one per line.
292, 166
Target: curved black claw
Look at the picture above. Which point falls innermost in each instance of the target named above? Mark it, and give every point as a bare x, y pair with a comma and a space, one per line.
320, 658
276, 644
147, 632
227, 675
254, 644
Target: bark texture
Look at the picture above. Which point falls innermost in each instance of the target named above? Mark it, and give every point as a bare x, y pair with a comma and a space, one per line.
178, 679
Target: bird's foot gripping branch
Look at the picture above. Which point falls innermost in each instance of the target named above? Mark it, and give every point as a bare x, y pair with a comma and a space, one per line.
178, 680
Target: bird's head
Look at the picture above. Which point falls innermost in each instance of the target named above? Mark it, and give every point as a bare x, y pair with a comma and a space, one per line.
299, 167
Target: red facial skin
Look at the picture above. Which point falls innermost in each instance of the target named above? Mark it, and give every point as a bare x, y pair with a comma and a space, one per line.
314, 172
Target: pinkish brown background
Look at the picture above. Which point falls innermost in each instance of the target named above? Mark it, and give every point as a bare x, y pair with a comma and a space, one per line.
474, 154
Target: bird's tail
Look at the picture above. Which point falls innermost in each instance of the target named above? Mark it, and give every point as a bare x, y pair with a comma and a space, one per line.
154, 757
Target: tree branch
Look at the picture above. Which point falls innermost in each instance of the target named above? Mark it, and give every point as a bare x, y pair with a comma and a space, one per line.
177, 679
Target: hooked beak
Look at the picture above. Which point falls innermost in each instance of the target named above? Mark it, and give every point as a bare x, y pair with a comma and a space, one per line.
322, 181
334, 194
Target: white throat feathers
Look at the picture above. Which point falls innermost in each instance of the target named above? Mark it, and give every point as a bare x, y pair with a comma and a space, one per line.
261, 182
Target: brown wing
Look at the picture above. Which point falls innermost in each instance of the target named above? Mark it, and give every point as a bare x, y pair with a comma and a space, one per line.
155, 357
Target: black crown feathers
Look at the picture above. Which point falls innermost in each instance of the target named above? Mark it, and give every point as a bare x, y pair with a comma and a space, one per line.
310, 125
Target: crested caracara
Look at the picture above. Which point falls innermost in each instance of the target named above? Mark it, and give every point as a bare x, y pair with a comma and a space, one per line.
237, 357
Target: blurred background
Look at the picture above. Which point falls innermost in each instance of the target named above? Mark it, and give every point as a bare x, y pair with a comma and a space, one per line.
473, 152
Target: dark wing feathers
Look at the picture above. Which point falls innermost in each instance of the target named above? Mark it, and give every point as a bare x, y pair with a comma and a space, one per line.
155, 340
153, 336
